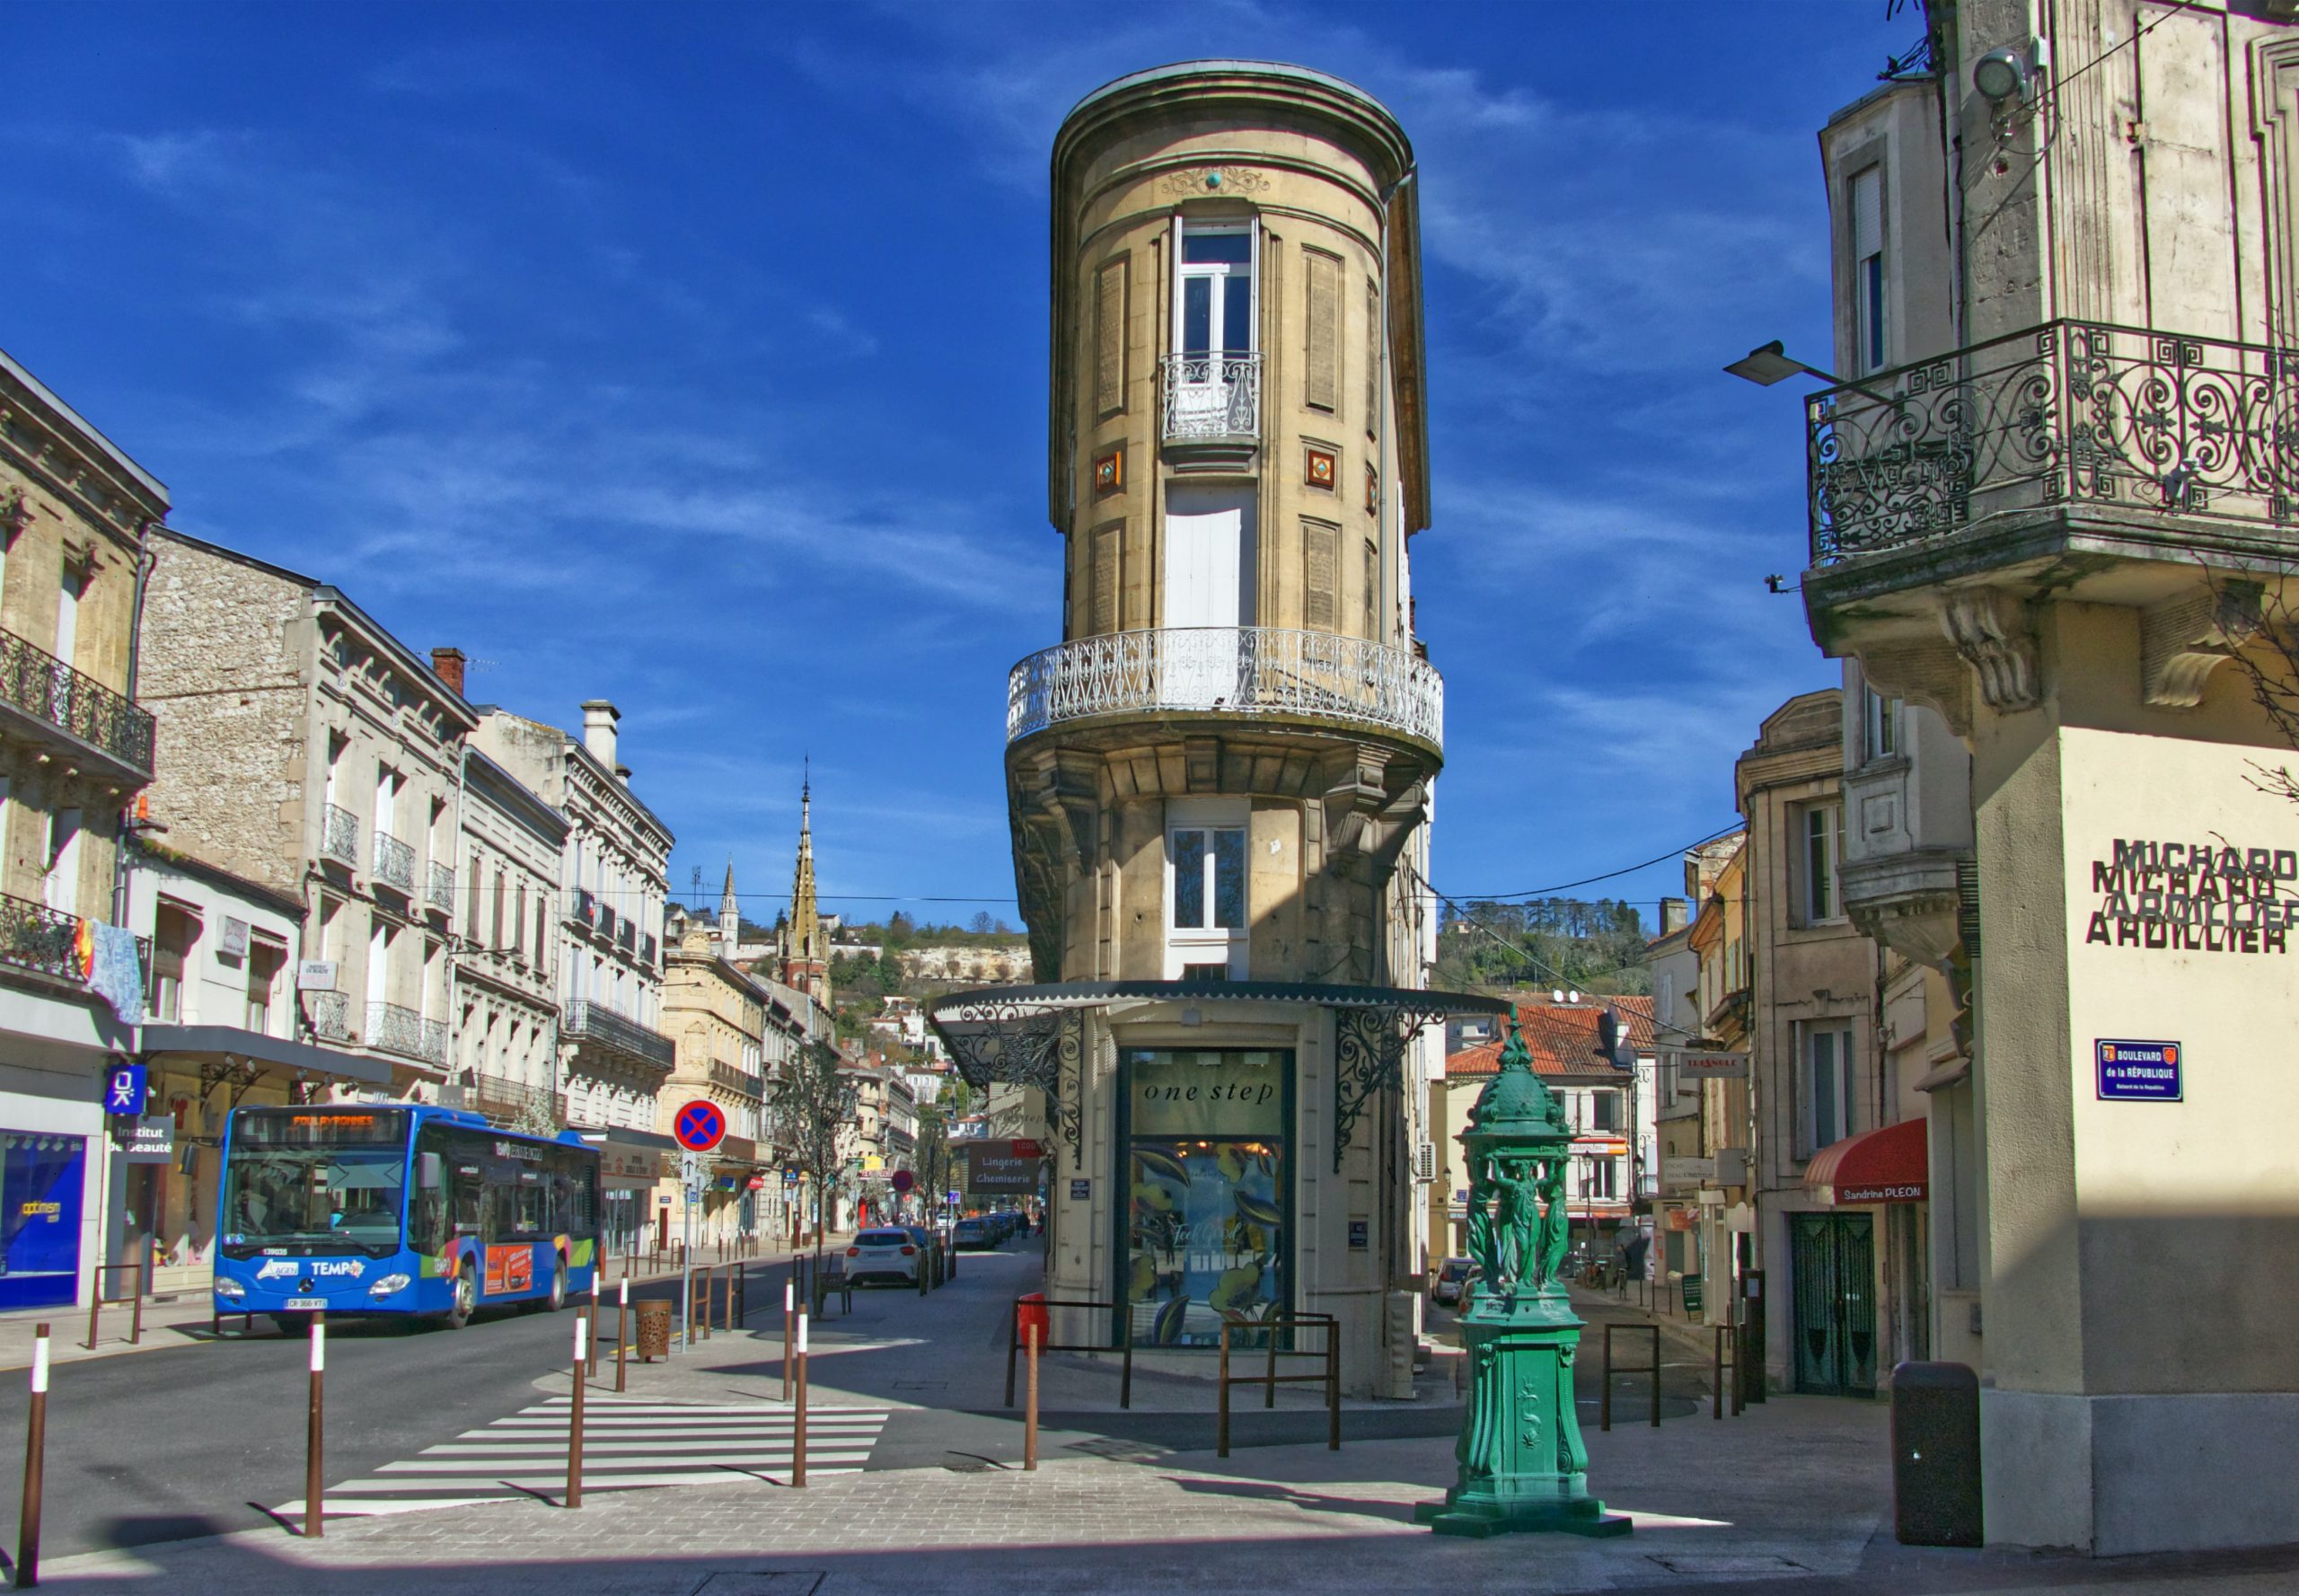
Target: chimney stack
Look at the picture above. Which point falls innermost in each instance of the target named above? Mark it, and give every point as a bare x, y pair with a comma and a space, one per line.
447, 664
1675, 914
598, 730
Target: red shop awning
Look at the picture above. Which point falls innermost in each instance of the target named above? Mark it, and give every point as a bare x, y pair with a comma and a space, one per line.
1891, 1164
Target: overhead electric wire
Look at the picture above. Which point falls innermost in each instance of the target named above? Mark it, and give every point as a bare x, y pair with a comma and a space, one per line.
1498, 897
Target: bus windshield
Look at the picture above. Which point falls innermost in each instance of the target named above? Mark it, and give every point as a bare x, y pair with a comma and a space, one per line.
315, 1177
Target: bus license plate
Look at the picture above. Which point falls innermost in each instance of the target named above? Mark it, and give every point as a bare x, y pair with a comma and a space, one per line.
305, 1302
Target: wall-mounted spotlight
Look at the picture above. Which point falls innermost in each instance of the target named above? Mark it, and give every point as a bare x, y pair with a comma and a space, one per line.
2002, 75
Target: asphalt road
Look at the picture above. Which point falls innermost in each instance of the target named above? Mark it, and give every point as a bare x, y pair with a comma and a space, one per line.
190, 1439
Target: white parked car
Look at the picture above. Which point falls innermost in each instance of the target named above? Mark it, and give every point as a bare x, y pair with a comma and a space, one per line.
885, 1254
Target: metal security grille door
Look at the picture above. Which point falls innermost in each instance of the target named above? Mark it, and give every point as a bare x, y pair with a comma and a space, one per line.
1834, 1261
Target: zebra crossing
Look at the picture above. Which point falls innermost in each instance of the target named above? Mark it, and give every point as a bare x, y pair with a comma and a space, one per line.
626, 1445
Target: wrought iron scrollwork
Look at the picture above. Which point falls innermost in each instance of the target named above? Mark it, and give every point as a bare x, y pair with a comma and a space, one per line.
1022, 1044
1369, 1058
236, 1073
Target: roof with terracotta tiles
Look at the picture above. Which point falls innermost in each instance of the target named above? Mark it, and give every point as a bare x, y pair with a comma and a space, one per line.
1562, 1039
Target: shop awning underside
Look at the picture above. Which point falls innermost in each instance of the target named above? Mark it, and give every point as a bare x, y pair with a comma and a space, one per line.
229, 1048
1035, 1035
1889, 1165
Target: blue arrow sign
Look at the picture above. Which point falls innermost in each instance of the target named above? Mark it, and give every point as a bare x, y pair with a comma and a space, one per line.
700, 1126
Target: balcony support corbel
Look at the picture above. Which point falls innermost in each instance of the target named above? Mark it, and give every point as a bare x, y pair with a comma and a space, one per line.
1926, 671
1991, 628
2182, 640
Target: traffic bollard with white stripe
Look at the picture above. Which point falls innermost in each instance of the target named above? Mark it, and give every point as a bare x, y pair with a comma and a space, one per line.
35, 1466
313, 1429
574, 1420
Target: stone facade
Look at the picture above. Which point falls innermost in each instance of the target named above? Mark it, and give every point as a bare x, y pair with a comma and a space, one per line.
717, 1016
507, 915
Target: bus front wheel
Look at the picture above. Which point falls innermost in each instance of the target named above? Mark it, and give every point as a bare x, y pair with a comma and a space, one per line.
558, 1298
466, 1301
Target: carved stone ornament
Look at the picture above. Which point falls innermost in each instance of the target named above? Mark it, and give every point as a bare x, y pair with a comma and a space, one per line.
1991, 630
1203, 181
2182, 640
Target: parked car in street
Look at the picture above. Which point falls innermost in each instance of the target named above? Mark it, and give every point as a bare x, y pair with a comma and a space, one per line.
884, 1254
1452, 1285
973, 1235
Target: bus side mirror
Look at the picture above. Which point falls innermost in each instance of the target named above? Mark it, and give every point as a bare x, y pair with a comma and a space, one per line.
428, 1169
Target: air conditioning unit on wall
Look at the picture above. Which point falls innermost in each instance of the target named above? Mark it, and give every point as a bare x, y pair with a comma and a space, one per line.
1424, 1161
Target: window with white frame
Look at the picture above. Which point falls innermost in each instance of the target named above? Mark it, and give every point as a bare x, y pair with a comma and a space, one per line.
1879, 716
1828, 1083
1868, 329
1608, 1116
1820, 834
1205, 897
1213, 291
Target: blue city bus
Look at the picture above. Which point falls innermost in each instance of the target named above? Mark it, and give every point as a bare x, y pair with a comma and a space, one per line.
400, 1208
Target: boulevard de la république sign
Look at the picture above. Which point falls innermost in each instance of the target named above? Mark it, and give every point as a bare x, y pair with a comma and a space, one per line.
2202, 897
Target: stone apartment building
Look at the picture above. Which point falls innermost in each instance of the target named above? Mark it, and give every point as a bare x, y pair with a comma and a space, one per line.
610, 882
313, 753
716, 1013
2051, 503
75, 749
505, 1002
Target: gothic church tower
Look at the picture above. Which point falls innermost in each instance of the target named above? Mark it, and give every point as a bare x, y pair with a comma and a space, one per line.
804, 952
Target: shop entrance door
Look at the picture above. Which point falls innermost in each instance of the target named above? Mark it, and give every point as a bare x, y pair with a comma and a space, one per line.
1833, 1256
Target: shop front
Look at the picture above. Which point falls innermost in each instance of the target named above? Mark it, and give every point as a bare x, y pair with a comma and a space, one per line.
1857, 1263
631, 1166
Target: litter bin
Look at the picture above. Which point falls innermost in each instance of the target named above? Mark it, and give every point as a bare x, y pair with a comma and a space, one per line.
1031, 1311
654, 1328
1935, 1455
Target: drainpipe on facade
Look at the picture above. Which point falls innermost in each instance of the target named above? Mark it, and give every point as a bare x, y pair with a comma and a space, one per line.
455, 952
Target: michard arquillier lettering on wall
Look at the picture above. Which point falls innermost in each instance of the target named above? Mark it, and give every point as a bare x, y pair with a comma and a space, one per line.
2205, 896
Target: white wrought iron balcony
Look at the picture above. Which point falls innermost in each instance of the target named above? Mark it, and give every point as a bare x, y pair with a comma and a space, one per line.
394, 862
1229, 670
330, 1014
339, 835
1211, 396
402, 1030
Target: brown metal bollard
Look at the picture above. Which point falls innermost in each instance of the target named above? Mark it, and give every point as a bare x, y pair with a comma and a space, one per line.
594, 1320
622, 1331
1030, 1413
798, 1413
35, 1466
790, 1325
315, 1430
574, 1420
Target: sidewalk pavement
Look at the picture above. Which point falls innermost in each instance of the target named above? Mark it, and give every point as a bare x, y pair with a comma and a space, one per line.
188, 1317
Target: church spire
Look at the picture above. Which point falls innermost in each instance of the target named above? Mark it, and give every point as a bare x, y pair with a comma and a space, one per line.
730, 915
806, 961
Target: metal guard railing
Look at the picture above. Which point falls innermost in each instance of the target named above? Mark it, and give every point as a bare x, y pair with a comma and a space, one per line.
1229, 670
586, 1020
2059, 414
44, 687
1211, 395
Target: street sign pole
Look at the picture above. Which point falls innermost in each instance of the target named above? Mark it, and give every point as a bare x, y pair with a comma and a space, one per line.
698, 1126
690, 1172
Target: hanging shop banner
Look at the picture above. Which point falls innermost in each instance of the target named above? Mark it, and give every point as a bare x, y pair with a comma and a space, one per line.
994, 1167
1712, 1066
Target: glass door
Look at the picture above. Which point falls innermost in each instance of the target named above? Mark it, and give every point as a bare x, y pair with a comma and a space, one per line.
1834, 1263
1213, 331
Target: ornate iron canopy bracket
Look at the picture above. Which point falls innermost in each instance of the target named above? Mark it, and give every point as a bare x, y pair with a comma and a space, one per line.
1369, 1058
1022, 1044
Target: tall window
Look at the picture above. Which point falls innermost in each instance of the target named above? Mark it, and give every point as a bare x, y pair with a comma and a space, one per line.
1868, 269
387, 785
1880, 724
265, 959
1823, 839
1209, 878
1828, 1084
173, 931
1607, 1111
60, 881
1215, 313
67, 609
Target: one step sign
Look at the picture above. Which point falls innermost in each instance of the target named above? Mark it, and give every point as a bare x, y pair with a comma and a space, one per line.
2139, 1072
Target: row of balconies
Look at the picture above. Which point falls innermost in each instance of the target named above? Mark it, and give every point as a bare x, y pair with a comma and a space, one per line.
394, 861
588, 911
390, 1028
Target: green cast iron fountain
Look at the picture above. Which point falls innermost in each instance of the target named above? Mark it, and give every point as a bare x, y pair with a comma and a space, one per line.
1522, 1465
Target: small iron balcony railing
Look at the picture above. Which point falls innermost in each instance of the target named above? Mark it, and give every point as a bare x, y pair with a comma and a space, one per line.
587, 1022
403, 1031
584, 908
1212, 396
740, 1080
2063, 414
626, 935
339, 835
646, 949
1229, 670
42, 685
607, 920
516, 1102
35, 936
330, 1014
394, 862
440, 890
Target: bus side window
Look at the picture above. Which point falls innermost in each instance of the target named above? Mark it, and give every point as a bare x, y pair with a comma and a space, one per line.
426, 1202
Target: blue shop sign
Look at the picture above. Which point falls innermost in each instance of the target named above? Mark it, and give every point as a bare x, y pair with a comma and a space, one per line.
124, 1089
2137, 1072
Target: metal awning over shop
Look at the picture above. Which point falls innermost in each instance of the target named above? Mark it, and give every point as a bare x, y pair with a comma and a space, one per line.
627, 1156
230, 1056
1890, 1165
1035, 1035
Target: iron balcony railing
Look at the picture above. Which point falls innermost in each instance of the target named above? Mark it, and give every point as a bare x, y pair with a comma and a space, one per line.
739, 1080
500, 1097
2064, 414
44, 687
403, 1031
339, 835
394, 862
1210, 396
439, 891
331, 1015
1229, 670
626, 935
646, 949
35, 936
586, 908
607, 918
587, 1022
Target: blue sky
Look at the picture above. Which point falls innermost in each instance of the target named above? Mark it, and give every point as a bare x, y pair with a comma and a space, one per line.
694, 356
